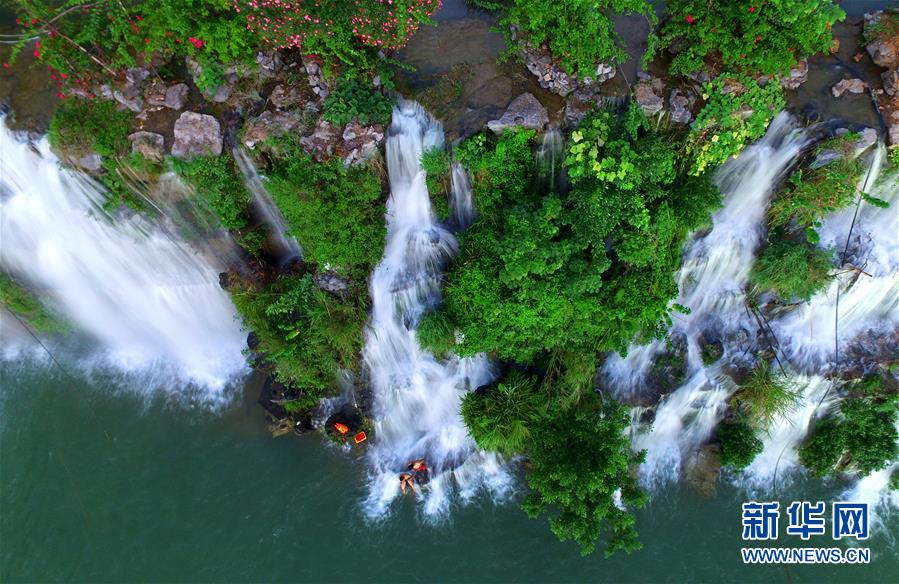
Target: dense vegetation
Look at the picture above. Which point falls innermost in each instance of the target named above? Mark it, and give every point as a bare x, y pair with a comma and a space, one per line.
581, 33
764, 37
863, 438
22, 302
739, 443
589, 270
218, 188
336, 213
793, 270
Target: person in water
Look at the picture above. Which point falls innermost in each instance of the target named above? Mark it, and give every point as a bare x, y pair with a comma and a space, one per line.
407, 480
418, 465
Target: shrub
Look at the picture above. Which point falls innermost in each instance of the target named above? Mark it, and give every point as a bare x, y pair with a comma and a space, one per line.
729, 121
353, 100
218, 187
84, 43
580, 33
436, 333
337, 214
307, 333
23, 302
766, 395
792, 270
759, 37
580, 456
502, 418
436, 164
865, 435
739, 444
336, 30
79, 125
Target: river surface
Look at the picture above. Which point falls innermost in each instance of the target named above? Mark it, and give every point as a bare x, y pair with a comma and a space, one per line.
102, 482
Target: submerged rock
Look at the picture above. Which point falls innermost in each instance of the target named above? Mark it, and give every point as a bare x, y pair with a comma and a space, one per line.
524, 111
850, 85
197, 135
703, 469
149, 145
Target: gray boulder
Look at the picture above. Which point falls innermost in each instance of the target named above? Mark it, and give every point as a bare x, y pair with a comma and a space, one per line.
197, 135
647, 99
329, 281
269, 63
882, 53
284, 96
361, 142
321, 143
681, 103
176, 96
524, 111
148, 144
891, 82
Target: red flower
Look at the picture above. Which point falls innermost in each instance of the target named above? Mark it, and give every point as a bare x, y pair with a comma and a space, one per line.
758, 38
752, 9
147, 40
33, 21
742, 56
690, 19
36, 53
6, 65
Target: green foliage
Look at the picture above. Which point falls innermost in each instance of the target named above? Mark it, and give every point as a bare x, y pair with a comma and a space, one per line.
812, 193
729, 121
580, 33
218, 187
794, 270
580, 456
436, 333
23, 302
307, 333
79, 126
894, 480
739, 444
864, 436
92, 42
355, 100
536, 273
436, 164
766, 395
502, 418
336, 214
765, 37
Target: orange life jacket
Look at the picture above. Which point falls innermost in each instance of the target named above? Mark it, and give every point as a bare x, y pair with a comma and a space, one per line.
360, 437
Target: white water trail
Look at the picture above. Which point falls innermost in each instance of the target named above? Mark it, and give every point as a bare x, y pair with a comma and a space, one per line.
287, 247
152, 303
711, 282
855, 303
416, 398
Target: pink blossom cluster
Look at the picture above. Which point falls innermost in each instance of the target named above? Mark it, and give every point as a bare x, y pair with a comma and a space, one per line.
384, 24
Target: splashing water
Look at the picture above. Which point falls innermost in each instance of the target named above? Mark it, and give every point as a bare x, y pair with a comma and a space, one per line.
550, 154
152, 303
287, 248
416, 398
711, 283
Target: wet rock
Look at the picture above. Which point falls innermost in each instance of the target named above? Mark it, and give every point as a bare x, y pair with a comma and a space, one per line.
603, 73
882, 50
732, 86
323, 141
578, 105
647, 98
149, 145
329, 281
549, 75
850, 85
796, 77
91, 162
317, 81
700, 76
283, 96
361, 143
524, 111
176, 96
681, 102
196, 135
270, 124
703, 469
269, 63
135, 104
134, 82
891, 82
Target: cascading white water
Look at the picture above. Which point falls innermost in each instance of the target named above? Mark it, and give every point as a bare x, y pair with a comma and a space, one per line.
288, 248
711, 282
153, 304
416, 398
856, 301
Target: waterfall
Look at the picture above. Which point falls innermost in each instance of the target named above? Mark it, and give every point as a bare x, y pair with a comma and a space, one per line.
416, 398
461, 198
152, 305
286, 246
550, 154
711, 283
856, 301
